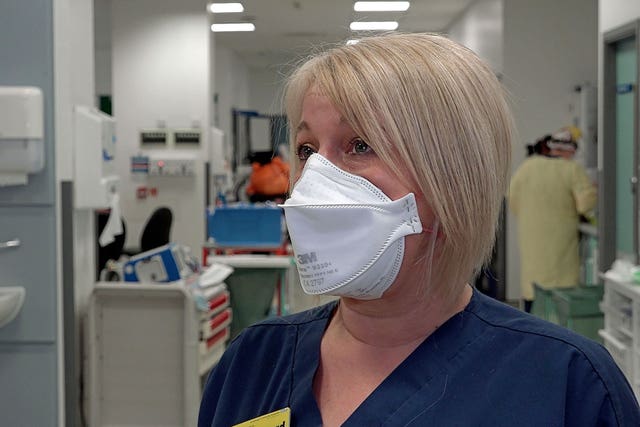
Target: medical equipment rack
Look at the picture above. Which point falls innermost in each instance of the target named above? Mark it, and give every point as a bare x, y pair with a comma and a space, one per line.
145, 362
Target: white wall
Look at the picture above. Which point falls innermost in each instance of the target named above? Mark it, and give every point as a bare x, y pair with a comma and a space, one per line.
266, 86
161, 73
549, 47
243, 86
614, 13
544, 58
232, 89
480, 28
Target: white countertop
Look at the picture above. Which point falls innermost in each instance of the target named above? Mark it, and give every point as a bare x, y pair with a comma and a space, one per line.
252, 261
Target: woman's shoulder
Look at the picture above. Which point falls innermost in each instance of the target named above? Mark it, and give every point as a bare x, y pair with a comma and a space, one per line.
546, 347
504, 319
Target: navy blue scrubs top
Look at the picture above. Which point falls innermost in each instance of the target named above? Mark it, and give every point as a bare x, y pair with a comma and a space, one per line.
489, 365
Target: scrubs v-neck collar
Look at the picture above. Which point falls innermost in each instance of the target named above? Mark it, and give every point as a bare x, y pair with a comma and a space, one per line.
416, 385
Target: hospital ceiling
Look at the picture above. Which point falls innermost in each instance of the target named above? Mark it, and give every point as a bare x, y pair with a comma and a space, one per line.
285, 28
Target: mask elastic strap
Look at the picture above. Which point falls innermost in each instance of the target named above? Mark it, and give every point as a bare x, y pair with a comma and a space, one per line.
434, 230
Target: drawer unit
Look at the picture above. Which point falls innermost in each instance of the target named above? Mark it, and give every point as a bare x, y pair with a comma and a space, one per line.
620, 349
621, 333
146, 359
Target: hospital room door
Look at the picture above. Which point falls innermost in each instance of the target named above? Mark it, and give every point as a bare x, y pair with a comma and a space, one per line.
618, 209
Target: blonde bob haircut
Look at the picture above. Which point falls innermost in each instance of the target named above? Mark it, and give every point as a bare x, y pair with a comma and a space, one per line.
438, 117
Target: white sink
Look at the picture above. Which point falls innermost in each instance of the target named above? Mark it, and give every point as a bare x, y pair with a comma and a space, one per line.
11, 300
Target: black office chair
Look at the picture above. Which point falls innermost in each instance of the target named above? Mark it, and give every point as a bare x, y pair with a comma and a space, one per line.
157, 230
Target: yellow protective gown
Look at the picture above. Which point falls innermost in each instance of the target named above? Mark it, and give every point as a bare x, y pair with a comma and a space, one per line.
547, 196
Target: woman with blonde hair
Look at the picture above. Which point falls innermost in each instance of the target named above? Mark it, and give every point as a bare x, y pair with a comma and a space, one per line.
402, 149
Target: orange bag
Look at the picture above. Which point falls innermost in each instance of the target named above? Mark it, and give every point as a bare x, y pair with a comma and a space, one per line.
271, 179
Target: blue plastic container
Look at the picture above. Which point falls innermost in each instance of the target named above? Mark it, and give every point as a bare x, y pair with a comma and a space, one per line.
245, 226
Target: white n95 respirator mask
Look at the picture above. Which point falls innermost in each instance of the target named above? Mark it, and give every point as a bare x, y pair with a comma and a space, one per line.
347, 235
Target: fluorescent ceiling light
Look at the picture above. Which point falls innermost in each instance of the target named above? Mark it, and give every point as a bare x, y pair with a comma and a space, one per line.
381, 6
244, 26
352, 41
226, 7
371, 26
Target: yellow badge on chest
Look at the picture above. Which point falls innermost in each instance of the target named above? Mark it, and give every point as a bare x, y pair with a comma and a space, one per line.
279, 418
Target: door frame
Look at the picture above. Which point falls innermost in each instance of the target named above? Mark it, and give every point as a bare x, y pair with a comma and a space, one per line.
607, 156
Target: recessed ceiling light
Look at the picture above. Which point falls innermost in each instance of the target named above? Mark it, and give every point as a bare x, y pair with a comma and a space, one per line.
226, 7
372, 26
222, 28
381, 6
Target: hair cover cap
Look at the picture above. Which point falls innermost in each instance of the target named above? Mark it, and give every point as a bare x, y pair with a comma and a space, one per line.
567, 134
565, 139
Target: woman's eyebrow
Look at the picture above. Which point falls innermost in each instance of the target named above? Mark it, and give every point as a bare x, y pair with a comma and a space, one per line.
302, 126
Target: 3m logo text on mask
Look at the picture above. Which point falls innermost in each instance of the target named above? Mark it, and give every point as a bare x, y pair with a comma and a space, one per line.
307, 258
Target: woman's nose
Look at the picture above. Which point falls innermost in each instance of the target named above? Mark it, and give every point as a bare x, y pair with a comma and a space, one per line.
332, 155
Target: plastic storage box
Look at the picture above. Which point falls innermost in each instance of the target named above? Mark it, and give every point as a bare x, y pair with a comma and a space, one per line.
252, 292
257, 287
543, 304
579, 309
576, 308
245, 226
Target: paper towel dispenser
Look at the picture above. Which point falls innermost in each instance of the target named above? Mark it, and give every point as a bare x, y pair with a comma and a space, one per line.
21, 133
95, 176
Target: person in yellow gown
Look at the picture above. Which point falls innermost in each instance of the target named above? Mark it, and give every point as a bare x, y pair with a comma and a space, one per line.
548, 194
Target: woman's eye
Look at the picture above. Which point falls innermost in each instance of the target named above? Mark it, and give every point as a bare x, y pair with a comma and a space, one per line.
360, 147
304, 152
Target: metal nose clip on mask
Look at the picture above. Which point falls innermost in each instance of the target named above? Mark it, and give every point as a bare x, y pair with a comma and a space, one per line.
347, 235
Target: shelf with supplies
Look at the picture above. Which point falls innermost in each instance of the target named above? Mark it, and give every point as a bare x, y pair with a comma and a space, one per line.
621, 333
148, 350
